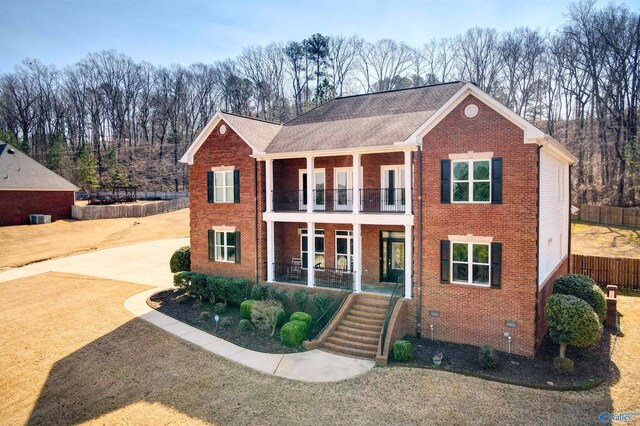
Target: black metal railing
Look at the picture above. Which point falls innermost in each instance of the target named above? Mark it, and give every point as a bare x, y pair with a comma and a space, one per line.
325, 318
290, 273
336, 200
382, 200
333, 278
398, 292
288, 200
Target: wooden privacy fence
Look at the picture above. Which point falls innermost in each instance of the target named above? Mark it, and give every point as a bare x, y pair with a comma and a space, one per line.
127, 210
620, 271
610, 215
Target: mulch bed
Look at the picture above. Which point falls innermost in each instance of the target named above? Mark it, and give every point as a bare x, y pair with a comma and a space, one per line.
188, 310
591, 365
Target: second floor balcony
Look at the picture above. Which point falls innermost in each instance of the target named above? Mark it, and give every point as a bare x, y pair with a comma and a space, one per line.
367, 200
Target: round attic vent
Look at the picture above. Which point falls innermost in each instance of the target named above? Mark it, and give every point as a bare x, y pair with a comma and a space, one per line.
223, 129
471, 110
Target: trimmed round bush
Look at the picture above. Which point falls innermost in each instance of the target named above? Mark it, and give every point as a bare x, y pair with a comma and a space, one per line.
563, 365
181, 260
259, 292
219, 308
245, 325
301, 316
245, 309
571, 322
488, 357
585, 288
293, 333
402, 350
205, 316
226, 321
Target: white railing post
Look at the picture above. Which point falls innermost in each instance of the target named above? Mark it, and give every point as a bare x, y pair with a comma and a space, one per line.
311, 252
357, 258
408, 260
355, 193
311, 185
270, 252
408, 190
269, 184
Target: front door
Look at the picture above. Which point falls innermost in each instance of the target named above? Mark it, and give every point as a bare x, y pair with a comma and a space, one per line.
391, 256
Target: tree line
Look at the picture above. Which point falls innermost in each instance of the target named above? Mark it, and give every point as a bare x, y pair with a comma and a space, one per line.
110, 120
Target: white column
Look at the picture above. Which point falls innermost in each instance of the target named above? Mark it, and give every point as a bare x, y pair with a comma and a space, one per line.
408, 190
311, 252
356, 184
269, 184
357, 258
271, 251
408, 260
311, 185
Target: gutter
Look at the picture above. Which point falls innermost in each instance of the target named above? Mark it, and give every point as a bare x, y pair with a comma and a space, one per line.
255, 216
419, 251
535, 325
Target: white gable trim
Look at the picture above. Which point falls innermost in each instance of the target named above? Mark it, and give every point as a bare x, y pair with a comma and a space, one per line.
204, 134
531, 133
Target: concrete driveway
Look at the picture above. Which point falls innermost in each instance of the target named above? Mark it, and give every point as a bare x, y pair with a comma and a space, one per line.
142, 263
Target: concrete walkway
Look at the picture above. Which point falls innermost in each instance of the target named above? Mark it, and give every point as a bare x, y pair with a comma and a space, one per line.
310, 366
148, 263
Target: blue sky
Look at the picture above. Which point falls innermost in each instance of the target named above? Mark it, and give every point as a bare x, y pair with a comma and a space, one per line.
61, 32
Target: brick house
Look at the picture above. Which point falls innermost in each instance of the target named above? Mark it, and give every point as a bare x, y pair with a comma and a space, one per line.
27, 187
439, 192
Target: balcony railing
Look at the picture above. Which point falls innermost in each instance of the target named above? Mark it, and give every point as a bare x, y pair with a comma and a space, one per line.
333, 278
372, 200
290, 273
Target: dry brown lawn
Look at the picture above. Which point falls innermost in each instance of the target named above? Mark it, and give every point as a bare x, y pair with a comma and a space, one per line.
604, 240
72, 354
25, 244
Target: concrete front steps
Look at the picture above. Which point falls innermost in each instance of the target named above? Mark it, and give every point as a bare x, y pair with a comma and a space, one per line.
358, 331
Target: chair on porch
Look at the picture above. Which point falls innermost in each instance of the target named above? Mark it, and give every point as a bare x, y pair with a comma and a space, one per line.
294, 272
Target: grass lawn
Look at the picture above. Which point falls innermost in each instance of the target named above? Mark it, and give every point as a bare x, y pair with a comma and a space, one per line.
71, 354
26, 244
604, 240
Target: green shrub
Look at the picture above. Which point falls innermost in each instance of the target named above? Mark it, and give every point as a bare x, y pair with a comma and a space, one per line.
301, 316
277, 294
205, 316
488, 357
563, 365
182, 280
181, 260
226, 321
572, 322
322, 302
402, 350
199, 286
299, 298
245, 325
245, 309
231, 291
259, 292
293, 333
585, 288
266, 315
219, 308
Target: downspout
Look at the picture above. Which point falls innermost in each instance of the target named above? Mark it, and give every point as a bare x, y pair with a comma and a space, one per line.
535, 327
569, 224
419, 251
255, 216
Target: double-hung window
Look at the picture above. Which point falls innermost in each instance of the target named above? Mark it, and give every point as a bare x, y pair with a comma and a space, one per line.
344, 250
470, 263
471, 181
224, 245
223, 187
318, 262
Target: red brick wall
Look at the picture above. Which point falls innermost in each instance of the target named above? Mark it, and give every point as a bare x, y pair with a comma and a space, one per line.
472, 314
544, 292
16, 206
224, 150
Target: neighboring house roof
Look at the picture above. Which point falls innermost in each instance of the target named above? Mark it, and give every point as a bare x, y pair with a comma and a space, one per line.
18, 171
376, 119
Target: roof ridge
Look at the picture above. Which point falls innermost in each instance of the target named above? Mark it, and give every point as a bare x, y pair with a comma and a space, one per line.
251, 118
399, 90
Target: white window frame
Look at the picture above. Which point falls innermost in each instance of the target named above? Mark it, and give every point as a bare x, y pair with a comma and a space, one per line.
470, 179
349, 172
225, 185
469, 262
224, 246
302, 206
349, 254
399, 173
319, 233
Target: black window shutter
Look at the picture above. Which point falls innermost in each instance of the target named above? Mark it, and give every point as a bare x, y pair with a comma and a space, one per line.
210, 187
236, 186
445, 181
237, 246
212, 244
496, 181
496, 265
444, 261
391, 198
304, 189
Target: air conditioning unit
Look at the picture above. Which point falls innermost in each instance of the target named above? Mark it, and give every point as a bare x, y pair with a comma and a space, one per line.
39, 219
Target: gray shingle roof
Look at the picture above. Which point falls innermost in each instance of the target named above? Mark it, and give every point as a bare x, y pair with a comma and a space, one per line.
19, 171
257, 132
376, 119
